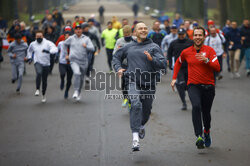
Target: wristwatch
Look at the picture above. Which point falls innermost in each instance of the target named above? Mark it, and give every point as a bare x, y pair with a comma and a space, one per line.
207, 60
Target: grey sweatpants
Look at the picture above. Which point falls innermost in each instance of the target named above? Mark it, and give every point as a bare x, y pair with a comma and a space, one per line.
17, 72
79, 71
141, 104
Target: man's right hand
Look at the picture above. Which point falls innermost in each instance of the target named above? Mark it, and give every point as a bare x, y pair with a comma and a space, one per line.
67, 57
14, 56
120, 72
173, 84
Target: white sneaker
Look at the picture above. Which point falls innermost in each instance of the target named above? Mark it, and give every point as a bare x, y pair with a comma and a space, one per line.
75, 95
43, 99
37, 93
78, 98
135, 146
237, 75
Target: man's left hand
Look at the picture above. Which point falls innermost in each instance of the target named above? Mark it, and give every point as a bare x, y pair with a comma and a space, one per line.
148, 56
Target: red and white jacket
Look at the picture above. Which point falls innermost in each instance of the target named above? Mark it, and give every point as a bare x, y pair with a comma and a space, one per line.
199, 72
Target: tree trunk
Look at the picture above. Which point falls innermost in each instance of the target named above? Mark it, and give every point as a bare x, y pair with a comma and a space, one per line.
193, 8
235, 10
246, 5
223, 11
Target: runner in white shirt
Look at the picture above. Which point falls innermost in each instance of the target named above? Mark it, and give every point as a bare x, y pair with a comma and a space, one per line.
39, 51
216, 41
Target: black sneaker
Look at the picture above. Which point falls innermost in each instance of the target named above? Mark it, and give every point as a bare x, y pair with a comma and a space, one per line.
248, 73
220, 77
13, 81
184, 107
200, 143
142, 133
18, 91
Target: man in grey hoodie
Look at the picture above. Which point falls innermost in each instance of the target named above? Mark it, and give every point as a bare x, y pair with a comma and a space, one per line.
145, 61
80, 46
17, 52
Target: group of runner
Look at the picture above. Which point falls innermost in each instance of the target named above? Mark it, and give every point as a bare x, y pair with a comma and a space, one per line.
192, 52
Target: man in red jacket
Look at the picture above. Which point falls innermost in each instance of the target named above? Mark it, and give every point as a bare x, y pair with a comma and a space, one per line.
202, 63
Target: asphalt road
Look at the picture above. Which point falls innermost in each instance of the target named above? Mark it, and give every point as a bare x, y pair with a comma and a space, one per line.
96, 131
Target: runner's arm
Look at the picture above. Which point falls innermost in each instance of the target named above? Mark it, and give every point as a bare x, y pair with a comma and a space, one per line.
177, 65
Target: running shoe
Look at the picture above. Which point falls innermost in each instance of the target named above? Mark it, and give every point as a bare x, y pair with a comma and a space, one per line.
135, 146
78, 98
13, 81
200, 143
18, 91
142, 132
184, 107
75, 95
129, 107
125, 103
43, 99
208, 139
237, 75
248, 73
220, 77
37, 93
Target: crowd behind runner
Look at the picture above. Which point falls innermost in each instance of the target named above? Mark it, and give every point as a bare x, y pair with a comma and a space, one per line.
75, 44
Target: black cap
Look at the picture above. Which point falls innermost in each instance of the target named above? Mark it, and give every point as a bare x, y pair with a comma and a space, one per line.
84, 25
181, 31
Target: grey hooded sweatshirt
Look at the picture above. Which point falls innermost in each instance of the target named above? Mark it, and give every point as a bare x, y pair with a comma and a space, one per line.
140, 69
78, 53
19, 49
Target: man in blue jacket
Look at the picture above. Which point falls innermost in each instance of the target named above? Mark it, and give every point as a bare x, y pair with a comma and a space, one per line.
245, 33
234, 49
144, 62
157, 34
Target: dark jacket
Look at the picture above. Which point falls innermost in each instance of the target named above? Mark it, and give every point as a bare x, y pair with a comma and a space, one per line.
58, 18
245, 31
93, 37
235, 36
176, 48
50, 36
157, 37
140, 69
